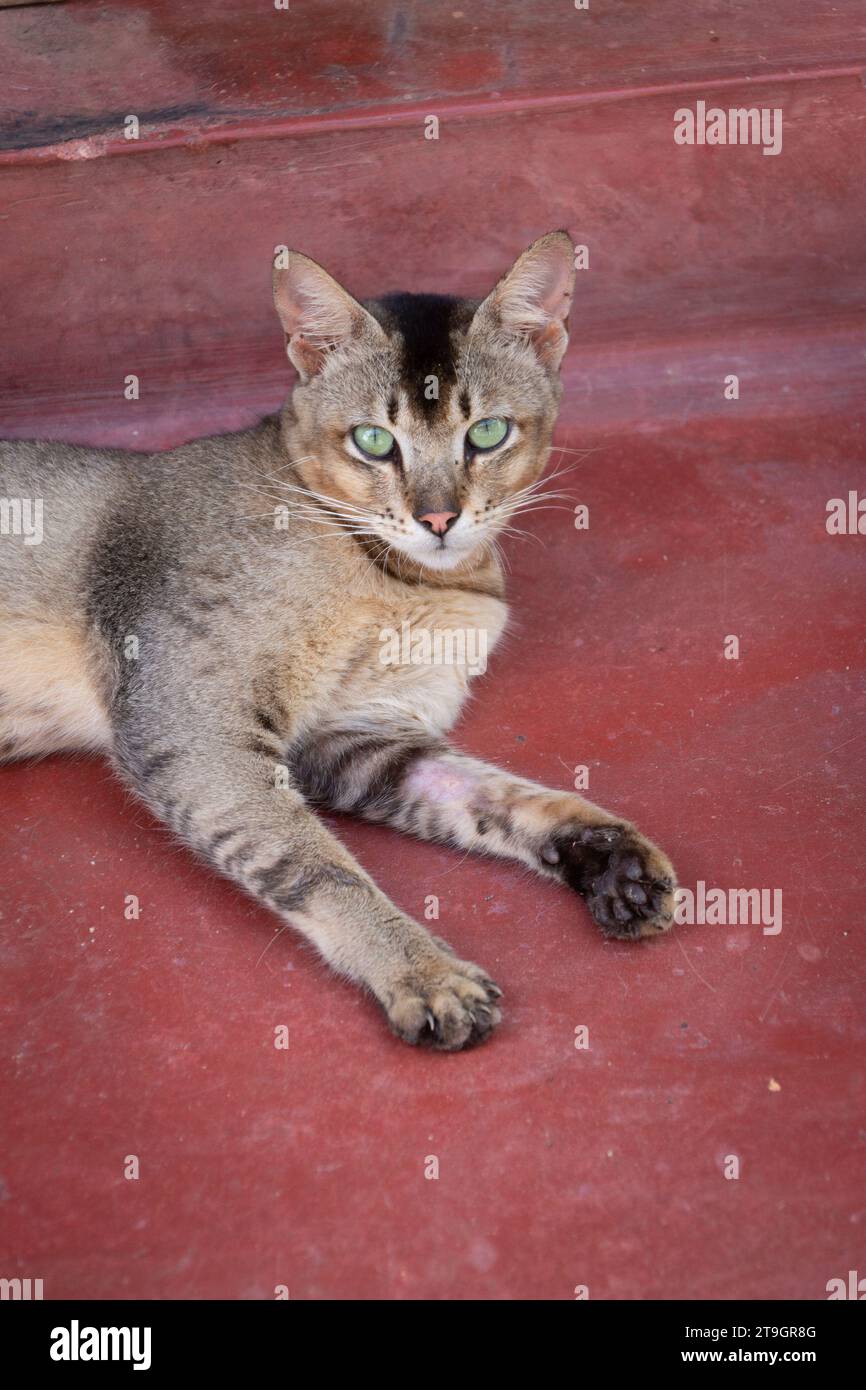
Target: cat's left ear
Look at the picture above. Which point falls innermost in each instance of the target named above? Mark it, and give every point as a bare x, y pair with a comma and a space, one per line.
533, 299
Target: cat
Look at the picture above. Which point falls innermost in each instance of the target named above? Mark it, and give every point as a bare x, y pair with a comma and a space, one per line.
212, 619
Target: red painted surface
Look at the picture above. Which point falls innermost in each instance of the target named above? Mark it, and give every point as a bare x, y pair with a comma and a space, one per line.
159, 264
558, 1167
249, 67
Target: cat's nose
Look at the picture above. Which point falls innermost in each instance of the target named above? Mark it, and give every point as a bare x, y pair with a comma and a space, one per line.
438, 522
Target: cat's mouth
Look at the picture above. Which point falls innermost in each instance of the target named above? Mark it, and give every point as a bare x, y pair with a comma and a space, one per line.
440, 552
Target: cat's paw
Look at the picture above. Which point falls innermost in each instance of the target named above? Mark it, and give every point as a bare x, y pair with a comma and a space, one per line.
628, 883
444, 1002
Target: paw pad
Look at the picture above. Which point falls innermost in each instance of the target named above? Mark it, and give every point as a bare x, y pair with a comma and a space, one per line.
626, 881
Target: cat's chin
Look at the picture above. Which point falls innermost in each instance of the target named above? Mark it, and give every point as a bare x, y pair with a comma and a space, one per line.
445, 558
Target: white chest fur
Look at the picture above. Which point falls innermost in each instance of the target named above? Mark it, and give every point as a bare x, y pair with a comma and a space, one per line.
423, 657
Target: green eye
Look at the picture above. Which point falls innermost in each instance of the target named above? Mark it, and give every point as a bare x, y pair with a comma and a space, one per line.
373, 440
486, 434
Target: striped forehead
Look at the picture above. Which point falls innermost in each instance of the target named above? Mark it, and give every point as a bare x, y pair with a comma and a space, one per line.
423, 327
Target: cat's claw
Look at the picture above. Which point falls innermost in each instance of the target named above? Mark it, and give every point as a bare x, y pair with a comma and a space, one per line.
628, 883
444, 1003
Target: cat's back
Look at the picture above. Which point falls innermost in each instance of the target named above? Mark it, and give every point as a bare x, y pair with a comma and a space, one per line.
52, 499
86, 537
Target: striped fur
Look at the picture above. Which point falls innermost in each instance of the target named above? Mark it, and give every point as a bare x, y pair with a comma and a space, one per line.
213, 620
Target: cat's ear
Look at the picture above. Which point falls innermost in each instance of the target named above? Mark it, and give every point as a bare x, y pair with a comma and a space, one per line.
532, 300
317, 314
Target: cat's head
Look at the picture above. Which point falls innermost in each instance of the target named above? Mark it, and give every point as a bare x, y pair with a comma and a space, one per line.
422, 418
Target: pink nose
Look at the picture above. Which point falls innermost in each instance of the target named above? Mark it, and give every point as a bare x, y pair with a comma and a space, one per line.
437, 521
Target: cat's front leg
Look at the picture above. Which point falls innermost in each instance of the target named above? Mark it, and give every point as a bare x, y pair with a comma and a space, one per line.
437, 793
221, 797
627, 882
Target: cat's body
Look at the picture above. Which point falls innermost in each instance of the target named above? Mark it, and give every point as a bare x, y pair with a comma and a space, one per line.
216, 619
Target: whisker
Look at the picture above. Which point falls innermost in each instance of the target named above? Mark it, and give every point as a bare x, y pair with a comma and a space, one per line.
523, 536
553, 494
491, 543
337, 502
292, 463
541, 499
545, 480
561, 448
327, 520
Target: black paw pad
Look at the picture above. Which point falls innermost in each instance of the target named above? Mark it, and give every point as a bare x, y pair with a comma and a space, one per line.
612, 867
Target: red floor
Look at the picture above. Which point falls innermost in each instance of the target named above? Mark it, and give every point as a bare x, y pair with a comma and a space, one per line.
558, 1167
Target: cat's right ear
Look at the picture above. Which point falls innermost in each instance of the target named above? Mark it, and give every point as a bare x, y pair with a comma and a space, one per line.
317, 314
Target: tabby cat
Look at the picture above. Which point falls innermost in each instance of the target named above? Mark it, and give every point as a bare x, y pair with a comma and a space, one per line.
213, 618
